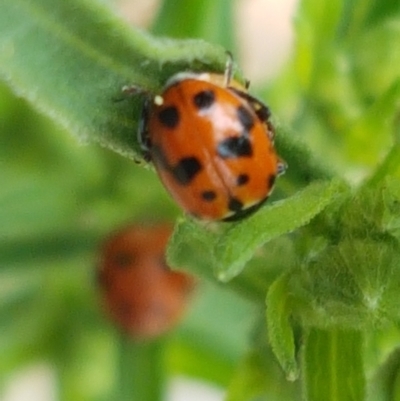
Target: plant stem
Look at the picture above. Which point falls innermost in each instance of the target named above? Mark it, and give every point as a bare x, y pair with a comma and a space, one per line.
333, 365
140, 370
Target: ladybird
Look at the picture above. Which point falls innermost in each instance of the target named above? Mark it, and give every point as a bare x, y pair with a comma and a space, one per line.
139, 291
212, 144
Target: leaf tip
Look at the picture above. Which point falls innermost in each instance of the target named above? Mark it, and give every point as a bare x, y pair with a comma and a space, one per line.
293, 374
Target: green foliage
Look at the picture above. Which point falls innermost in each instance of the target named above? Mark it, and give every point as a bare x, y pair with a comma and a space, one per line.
229, 248
90, 55
324, 251
280, 330
333, 365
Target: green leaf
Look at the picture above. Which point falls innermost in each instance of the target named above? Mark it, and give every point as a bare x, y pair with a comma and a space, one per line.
225, 249
85, 363
384, 385
333, 366
256, 378
354, 284
382, 10
323, 16
389, 167
33, 204
280, 331
213, 335
70, 59
206, 19
316, 26
380, 117
190, 248
376, 71
303, 165
391, 213
237, 244
249, 380
374, 210
363, 16
52, 248
354, 17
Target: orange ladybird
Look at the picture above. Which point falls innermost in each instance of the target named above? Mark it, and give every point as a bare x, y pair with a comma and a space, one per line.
211, 143
141, 294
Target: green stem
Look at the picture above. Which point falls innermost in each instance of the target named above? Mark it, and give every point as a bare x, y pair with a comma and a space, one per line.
333, 365
141, 370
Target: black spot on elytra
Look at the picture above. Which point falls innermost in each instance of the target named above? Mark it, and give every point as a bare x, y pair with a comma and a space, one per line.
242, 179
271, 130
243, 213
204, 99
123, 260
271, 181
208, 196
169, 117
235, 146
235, 205
186, 169
245, 118
125, 309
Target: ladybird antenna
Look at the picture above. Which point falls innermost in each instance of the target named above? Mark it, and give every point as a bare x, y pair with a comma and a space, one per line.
228, 69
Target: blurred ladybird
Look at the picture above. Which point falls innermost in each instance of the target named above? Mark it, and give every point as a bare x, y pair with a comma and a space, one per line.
141, 294
211, 143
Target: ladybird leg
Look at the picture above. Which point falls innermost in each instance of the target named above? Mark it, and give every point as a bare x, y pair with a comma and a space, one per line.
282, 167
229, 72
262, 110
271, 130
228, 69
132, 90
128, 91
264, 114
142, 132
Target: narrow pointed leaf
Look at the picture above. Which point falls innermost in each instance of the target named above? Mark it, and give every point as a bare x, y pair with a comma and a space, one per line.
384, 384
239, 242
280, 331
190, 248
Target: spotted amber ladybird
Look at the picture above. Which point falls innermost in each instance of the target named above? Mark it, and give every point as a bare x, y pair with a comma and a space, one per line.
211, 143
140, 293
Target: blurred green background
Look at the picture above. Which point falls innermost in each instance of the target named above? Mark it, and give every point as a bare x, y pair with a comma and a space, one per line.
338, 92
58, 200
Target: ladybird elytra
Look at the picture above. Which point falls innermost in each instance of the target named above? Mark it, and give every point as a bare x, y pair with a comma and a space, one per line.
140, 294
212, 146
